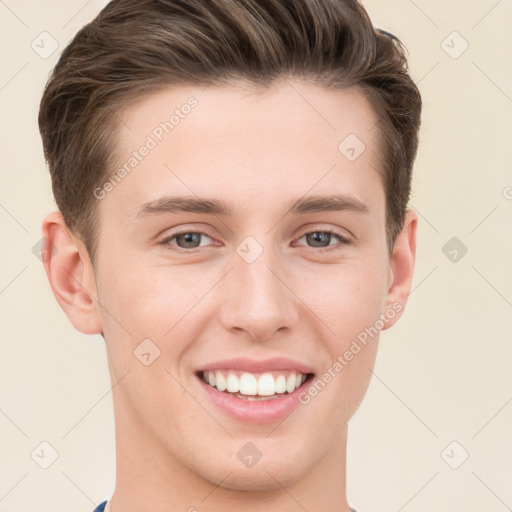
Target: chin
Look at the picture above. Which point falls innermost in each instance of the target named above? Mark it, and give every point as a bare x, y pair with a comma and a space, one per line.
268, 474
256, 480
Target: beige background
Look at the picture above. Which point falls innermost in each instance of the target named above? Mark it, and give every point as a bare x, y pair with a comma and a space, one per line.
443, 372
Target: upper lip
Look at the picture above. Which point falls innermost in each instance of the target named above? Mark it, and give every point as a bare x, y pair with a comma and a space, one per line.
255, 365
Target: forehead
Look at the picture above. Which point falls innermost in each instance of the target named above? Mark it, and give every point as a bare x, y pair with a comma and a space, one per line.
289, 108
218, 140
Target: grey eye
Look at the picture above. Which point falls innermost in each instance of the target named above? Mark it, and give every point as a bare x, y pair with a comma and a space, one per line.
189, 240
319, 238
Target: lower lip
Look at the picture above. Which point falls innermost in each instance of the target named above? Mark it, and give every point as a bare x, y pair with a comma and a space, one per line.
262, 411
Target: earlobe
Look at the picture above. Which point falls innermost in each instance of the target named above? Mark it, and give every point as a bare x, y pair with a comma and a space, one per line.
402, 268
70, 273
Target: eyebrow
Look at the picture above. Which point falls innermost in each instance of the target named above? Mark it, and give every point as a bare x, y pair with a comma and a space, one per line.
309, 204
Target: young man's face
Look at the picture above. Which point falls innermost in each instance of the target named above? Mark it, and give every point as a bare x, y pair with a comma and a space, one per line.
264, 281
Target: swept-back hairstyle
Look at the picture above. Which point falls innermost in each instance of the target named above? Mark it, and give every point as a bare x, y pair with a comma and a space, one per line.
136, 47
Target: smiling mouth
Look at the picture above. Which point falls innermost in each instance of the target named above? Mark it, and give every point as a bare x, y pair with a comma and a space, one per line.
260, 386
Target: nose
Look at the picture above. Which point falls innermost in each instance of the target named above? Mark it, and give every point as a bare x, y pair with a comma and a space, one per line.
258, 300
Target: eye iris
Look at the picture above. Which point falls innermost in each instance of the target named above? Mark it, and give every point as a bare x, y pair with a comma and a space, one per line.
318, 237
189, 238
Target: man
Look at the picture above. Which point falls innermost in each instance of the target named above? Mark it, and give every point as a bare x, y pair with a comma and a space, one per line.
232, 178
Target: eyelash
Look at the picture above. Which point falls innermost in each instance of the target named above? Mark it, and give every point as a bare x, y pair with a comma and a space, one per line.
342, 240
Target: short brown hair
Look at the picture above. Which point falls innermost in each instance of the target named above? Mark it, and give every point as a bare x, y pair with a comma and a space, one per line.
137, 47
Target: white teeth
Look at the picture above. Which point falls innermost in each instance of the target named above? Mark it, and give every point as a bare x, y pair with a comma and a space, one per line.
250, 385
233, 384
266, 385
256, 398
220, 381
281, 384
290, 383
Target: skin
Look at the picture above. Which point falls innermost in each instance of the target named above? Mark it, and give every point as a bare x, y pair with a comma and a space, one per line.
259, 152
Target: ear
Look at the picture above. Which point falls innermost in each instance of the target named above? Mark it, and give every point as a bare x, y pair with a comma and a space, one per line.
401, 268
71, 275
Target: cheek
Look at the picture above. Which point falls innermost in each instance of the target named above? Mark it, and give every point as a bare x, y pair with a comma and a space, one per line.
150, 304
347, 299
349, 302
140, 299
139, 314
131, 312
